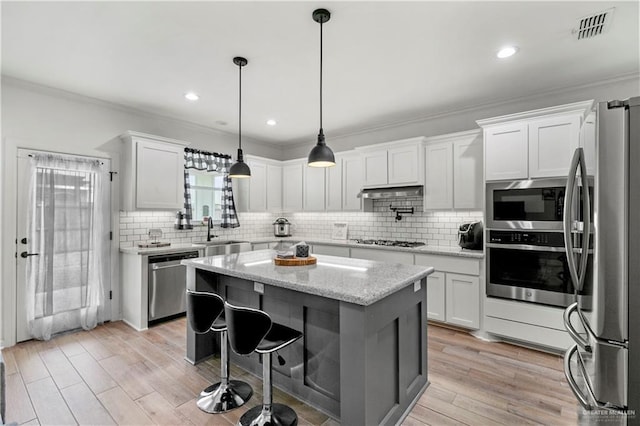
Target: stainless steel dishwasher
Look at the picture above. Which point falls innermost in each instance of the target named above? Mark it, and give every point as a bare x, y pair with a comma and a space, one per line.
167, 285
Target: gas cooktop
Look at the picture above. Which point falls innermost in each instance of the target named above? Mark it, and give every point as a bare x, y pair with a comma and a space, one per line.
393, 243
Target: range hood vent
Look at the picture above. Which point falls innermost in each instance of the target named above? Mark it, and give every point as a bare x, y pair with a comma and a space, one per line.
394, 192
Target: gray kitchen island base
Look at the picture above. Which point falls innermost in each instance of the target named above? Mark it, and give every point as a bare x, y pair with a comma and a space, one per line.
361, 364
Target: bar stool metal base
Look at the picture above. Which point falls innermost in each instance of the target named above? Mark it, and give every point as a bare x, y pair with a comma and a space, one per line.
219, 398
279, 415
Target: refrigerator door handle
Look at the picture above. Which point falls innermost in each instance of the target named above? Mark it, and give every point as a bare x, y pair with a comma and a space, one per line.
584, 344
577, 161
582, 399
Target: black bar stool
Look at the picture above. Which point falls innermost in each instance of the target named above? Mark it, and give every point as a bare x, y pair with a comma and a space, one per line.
206, 312
252, 330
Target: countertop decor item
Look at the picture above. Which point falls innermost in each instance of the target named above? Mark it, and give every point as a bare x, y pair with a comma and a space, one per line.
240, 169
295, 261
321, 155
154, 235
339, 231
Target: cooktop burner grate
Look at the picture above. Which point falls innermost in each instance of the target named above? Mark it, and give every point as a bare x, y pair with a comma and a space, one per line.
392, 243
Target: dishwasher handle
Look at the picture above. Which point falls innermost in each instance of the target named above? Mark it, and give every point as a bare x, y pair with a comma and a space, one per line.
165, 265
152, 296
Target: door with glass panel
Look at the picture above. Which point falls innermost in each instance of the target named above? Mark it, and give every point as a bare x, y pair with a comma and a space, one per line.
62, 243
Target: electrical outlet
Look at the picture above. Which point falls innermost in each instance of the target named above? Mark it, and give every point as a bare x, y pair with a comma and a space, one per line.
258, 287
417, 286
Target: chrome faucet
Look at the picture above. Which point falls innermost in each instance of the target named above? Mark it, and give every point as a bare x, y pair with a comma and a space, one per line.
209, 228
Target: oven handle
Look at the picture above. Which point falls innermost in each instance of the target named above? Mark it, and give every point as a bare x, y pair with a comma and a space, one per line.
526, 247
577, 161
584, 344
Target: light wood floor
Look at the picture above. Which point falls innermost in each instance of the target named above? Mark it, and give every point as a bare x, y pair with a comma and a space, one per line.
115, 375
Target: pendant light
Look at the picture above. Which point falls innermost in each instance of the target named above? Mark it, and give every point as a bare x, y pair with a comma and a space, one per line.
240, 169
321, 155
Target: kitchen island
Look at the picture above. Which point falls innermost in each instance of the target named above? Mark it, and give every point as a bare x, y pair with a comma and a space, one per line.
363, 357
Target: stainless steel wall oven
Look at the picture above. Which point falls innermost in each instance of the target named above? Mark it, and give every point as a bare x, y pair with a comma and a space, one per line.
530, 266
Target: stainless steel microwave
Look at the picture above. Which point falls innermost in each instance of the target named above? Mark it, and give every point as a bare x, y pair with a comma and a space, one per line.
535, 204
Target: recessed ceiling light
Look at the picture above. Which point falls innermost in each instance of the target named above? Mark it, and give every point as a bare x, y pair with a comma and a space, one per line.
272, 122
507, 51
192, 96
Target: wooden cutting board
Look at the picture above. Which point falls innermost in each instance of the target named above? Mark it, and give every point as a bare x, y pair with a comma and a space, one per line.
296, 261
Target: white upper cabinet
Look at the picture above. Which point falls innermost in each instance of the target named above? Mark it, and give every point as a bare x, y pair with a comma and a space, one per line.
552, 141
333, 186
263, 190
506, 155
152, 169
453, 171
274, 187
257, 186
314, 189
588, 142
375, 168
394, 163
533, 144
438, 184
292, 176
468, 171
352, 180
404, 165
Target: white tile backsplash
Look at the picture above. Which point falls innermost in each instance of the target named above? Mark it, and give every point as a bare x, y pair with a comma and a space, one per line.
432, 228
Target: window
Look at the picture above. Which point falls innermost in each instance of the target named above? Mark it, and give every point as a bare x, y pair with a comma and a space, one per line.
206, 194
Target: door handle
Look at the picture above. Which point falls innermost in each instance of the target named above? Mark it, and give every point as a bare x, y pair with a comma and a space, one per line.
24, 254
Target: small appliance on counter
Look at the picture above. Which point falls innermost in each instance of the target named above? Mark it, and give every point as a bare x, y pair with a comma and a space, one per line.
470, 235
282, 227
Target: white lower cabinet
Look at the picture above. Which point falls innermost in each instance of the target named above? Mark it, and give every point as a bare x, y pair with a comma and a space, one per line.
463, 300
453, 290
260, 246
383, 255
330, 250
436, 296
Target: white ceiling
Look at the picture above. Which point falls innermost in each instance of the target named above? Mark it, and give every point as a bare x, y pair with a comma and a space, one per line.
384, 62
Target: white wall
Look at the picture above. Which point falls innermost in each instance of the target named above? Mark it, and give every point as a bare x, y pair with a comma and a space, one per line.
36, 117
457, 121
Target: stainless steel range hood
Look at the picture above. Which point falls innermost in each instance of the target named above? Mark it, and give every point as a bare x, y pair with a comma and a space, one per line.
394, 192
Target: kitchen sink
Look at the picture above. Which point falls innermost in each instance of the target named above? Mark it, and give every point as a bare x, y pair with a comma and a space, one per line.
217, 247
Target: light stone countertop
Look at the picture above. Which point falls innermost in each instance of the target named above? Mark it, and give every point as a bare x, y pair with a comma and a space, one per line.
362, 282
173, 248
442, 250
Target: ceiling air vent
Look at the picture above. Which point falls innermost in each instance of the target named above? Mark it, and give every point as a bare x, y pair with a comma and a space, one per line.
593, 25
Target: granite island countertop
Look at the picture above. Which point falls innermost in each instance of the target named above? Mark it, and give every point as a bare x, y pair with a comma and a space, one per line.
358, 281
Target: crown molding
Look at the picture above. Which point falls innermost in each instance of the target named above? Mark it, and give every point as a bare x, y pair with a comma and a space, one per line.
634, 77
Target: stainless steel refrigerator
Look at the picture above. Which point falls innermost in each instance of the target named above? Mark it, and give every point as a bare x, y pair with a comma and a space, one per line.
603, 367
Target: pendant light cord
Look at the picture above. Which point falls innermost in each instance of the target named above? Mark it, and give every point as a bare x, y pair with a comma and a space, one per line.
321, 22
240, 107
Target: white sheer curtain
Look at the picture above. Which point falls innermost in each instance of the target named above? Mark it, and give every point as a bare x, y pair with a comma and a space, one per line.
67, 227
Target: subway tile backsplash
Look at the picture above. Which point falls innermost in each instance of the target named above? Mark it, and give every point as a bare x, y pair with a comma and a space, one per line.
432, 228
